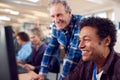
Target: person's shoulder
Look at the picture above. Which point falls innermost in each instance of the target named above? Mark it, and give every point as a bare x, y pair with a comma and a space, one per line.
27, 46
117, 55
117, 66
29, 43
117, 61
44, 45
118, 58
77, 16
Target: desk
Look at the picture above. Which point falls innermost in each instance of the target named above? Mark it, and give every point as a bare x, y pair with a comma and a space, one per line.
26, 76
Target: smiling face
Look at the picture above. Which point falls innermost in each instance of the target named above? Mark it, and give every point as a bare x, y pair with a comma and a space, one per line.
35, 39
59, 16
91, 46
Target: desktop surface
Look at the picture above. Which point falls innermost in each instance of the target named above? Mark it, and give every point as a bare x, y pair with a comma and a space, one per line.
27, 76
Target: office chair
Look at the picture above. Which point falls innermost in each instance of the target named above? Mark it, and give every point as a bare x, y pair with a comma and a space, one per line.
55, 66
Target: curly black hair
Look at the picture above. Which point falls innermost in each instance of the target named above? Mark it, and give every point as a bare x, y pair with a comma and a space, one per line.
104, 26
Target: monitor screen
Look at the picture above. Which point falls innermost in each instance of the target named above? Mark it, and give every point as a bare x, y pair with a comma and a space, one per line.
8, 69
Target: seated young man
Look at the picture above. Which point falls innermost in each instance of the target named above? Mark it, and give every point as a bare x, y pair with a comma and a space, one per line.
99, 60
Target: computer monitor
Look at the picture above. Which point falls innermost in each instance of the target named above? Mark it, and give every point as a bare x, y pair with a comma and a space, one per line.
8, 69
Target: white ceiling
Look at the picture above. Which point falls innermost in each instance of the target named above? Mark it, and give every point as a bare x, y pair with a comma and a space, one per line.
32, 12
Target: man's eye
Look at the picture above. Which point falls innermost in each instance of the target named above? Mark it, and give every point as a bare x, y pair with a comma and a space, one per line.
52, 16
86, 40
58, 15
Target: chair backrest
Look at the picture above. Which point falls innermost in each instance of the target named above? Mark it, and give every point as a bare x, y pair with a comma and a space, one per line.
54, 65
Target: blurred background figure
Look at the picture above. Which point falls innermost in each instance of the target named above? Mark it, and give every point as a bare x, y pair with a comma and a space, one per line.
25, 50
16, 45
38, 48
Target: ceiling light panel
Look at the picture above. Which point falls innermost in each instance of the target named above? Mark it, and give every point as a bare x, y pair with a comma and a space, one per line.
12, 11
33, 1
5, 18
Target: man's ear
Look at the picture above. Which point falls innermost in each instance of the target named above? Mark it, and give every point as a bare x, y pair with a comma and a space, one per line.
107, 41
70, 13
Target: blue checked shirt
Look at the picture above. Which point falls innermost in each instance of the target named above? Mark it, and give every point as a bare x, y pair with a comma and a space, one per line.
70, 40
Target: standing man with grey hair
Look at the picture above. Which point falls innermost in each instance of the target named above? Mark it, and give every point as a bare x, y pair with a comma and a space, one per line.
65, 31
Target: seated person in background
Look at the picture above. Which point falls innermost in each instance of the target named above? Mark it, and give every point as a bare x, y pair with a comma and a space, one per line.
25, 50
16, 45
99, 60
38, 49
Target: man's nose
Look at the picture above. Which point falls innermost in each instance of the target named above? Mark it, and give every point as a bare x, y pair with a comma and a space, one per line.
81, 45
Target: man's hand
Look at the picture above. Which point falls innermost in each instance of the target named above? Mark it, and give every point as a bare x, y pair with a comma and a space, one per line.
38, 77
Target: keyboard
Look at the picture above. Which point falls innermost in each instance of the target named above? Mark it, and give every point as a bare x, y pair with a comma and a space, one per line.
21, 70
